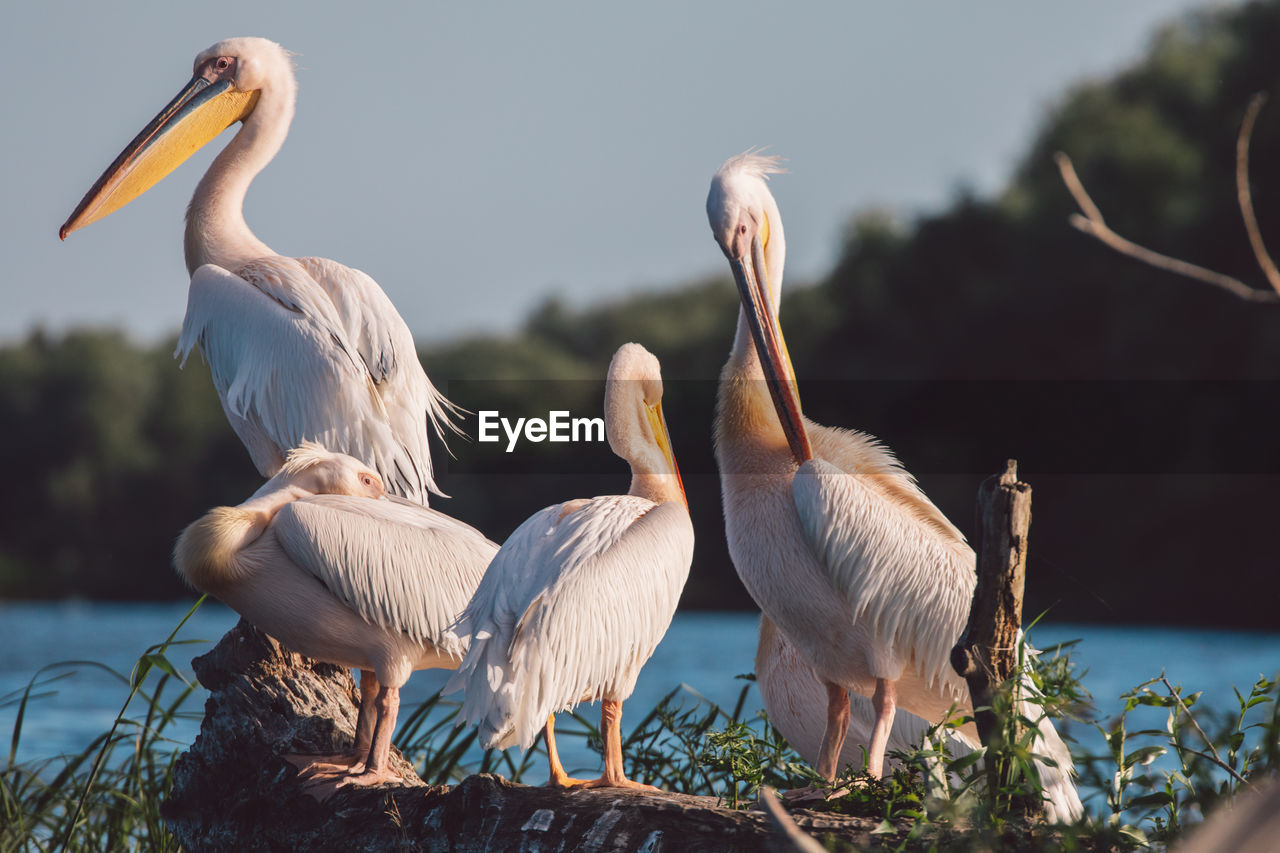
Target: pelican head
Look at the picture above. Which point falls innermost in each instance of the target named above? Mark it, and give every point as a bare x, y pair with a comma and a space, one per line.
228, 81
634, 423
748, 228
313, 469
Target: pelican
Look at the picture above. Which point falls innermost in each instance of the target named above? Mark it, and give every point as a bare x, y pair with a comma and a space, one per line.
830, 535
319, 559
299, 348
796, 701
580, 595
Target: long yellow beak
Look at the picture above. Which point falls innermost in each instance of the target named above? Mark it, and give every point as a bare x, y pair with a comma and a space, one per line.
750, 275
659, 423
200, 112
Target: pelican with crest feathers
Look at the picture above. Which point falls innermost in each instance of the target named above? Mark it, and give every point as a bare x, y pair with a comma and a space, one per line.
582, 592
323, 561
299, 348
830, 535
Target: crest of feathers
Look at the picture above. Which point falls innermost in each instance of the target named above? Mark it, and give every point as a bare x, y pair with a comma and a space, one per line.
752, 162
304, 456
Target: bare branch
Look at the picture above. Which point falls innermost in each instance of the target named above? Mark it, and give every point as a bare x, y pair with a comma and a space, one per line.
1215, 758
1092, 223
1244, 196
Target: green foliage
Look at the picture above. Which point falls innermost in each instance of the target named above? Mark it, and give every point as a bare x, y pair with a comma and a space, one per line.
117, 450
107, 797
1156, 783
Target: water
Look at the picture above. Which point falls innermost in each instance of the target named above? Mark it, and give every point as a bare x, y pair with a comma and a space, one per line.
703, 650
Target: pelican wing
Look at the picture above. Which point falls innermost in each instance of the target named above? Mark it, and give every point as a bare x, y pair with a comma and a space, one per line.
398, 565
287, 368
570, 609
908, 581
386, 347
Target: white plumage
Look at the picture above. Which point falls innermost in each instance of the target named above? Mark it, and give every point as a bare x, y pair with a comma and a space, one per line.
581, 594
321, 561
833, 539
570, 610
796, 703
299, 348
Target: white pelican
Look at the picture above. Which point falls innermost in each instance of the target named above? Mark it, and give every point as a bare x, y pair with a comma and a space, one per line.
333, 575
582, 592
796, 701
300, 348
833, 539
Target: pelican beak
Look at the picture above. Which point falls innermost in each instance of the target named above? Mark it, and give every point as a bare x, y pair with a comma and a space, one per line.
201, 111
659, 424
751, 276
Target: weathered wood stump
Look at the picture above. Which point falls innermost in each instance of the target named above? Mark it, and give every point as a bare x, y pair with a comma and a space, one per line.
233, 791
987, 653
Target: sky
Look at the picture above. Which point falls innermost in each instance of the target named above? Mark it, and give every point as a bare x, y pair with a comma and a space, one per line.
477, 158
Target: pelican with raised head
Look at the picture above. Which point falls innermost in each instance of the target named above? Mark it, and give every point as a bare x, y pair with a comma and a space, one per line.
582, 592
300, 348
319, 559
830, 535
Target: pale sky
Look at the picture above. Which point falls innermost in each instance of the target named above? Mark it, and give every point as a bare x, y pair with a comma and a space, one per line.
475, 158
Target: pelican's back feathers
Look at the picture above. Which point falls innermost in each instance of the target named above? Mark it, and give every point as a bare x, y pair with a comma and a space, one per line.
398, 565
569, 610
908, 582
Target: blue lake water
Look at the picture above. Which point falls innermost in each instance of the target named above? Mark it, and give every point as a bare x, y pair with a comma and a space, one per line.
702, 650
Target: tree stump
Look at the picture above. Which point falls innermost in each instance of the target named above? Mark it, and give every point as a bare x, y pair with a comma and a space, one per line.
987, 654
233, 791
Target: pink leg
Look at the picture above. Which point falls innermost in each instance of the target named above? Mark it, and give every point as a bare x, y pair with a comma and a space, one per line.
374, 770
832, 742
611, 730
883, 700
328, 765
559, 779
388, 704
837, 728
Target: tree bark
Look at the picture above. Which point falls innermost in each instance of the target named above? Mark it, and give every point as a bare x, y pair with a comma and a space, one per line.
234, 791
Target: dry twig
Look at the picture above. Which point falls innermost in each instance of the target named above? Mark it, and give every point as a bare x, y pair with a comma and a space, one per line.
1215, 758
1092, 223
1245, 197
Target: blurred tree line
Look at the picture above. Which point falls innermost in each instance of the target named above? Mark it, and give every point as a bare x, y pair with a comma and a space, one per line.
1140, 405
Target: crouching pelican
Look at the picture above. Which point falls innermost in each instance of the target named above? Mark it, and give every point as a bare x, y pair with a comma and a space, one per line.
299, 348
311, 560
832, 538
582, 592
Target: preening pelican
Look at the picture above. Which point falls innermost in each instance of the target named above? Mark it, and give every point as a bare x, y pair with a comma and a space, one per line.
311, 560
833, 539
300, 348
580, 595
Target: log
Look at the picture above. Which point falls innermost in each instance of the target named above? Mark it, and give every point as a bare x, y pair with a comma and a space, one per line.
233, 790
987, 654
